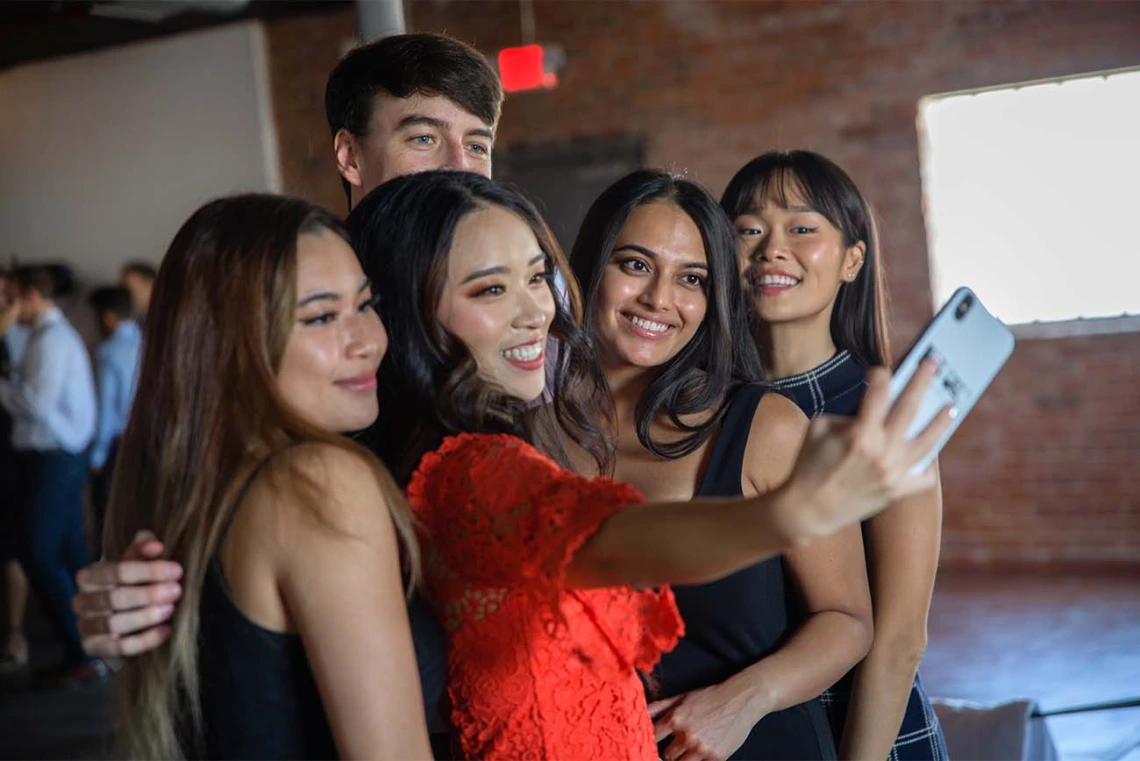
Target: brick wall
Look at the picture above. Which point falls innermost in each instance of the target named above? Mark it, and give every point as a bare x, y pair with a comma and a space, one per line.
1048, 468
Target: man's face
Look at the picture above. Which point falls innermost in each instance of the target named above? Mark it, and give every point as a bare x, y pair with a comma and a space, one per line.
409, 135
29, 305
139, 286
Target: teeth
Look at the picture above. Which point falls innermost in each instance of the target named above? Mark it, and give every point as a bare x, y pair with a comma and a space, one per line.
778, 280
526, 353
653, 327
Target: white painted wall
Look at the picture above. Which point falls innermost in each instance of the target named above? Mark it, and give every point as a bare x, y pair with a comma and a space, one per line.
103, 156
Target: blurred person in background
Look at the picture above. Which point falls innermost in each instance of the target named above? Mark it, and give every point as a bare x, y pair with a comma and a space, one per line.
810, 248
51, 398
14, 655
116, 373
138, 278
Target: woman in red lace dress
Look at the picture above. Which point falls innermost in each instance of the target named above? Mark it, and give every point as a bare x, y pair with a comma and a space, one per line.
543, 578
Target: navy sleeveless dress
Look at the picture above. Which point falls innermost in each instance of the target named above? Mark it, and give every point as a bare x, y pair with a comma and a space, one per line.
836, 388
259, 699
736, 621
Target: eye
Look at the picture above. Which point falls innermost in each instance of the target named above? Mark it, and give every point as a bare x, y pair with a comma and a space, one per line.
321, 319
423, 139
541, 277
371, 304
748, 231
693, 280
479, 149
633, 265
803, 230
490, 290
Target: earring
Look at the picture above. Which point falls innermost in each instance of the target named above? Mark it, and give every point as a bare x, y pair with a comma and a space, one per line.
850, 275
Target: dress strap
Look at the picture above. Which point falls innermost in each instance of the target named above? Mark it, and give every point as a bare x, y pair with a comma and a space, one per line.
253, 474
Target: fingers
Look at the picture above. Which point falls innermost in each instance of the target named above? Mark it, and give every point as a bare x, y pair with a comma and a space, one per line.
107, 646
99, 576
921, 445
117, 599
144, 546
662, 730
906, 406
877, 400
125, 623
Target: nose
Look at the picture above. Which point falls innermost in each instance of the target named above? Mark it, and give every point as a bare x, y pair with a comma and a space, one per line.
772, 248
656, 294
367, 338
456, 157
534, 309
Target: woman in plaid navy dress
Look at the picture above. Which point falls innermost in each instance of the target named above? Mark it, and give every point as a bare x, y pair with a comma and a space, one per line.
808, 242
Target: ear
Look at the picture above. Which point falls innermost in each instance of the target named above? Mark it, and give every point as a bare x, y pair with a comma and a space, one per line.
853, 261
347, 152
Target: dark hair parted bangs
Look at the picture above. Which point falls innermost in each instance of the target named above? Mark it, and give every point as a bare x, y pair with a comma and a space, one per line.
429, 383
859, 319
719, 356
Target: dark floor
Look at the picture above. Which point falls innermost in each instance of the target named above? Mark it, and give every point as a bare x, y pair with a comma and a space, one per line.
1060, 639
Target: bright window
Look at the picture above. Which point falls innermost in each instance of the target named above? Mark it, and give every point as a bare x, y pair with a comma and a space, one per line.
1032, 197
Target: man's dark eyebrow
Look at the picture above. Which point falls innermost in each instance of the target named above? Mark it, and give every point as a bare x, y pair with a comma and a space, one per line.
420, 120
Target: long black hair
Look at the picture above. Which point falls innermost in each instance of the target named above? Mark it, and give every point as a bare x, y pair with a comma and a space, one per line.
859, 319
719, 356
429, 383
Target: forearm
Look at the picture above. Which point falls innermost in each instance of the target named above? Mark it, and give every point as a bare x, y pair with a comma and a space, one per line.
816, 656
879, 698
687, 542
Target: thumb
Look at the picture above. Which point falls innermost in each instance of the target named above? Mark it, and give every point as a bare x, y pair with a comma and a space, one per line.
144, 546
658, 707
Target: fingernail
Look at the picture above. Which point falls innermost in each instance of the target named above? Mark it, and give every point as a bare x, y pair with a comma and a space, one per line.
171, 591
173, 571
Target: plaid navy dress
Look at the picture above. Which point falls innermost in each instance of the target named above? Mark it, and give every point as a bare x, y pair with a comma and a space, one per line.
836, 388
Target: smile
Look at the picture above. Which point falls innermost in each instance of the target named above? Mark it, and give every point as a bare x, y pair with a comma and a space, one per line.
647, 328
529, 357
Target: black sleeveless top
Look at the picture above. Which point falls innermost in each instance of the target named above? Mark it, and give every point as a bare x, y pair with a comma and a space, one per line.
736, 621
259, 699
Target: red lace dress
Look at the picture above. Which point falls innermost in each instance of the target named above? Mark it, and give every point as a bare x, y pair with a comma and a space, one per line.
536, 670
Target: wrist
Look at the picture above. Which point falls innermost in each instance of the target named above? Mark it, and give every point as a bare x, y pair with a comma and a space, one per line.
753, 694
793, 515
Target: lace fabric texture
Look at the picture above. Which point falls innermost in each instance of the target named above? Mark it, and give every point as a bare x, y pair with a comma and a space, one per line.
536, 670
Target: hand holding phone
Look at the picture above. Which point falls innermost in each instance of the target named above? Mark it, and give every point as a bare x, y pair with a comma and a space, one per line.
970, 346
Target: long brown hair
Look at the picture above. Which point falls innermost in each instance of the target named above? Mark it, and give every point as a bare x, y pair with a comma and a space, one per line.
208, 411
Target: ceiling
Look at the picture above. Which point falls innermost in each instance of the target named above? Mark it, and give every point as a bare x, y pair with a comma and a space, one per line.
32, 30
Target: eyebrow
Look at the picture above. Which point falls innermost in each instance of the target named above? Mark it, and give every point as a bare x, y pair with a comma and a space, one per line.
328, 296
653, 255
758, 210
498, 270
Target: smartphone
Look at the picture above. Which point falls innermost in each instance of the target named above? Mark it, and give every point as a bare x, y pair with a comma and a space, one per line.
970, 346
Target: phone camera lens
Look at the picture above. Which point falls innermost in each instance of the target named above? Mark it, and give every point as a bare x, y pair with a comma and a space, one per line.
964, 307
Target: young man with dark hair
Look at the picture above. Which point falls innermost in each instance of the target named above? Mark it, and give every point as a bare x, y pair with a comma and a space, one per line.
138, 278
51, 398
411, 103
116, 372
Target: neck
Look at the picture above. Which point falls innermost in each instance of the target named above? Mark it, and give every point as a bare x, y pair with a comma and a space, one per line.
39, 310
791, 348
627, 383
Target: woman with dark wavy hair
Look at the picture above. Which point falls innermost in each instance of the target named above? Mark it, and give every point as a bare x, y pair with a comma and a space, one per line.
808, 241
666, 310
543, 576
